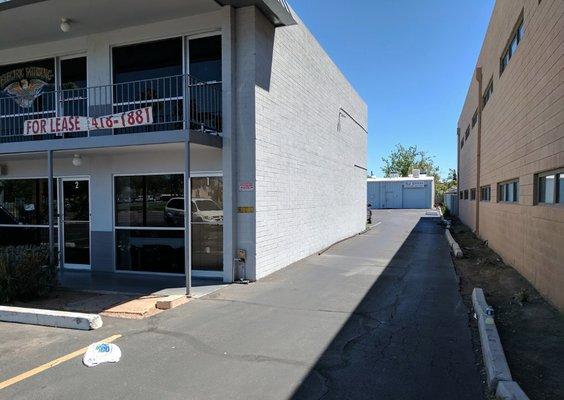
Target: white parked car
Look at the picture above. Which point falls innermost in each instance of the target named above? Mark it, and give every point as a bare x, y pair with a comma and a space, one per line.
203, 210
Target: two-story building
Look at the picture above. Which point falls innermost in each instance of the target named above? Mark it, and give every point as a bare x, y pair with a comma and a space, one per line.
511, 142
192, 138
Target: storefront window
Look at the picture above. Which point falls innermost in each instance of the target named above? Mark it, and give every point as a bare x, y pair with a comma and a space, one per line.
150, 251
143, 201
24, 201
207, 223
24, 211
142, 204
150, 223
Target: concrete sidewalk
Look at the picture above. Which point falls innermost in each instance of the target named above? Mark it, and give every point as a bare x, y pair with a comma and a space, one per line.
378, 316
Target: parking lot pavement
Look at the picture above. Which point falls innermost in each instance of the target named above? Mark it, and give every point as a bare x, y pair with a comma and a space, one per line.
23, 347
376, 316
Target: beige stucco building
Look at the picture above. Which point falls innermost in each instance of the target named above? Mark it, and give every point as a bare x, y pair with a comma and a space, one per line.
511, 142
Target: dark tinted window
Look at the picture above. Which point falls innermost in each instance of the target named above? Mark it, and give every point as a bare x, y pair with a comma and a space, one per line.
26, 89
561, 189
150, 251
205, 58
22, 235
475, 118
73, 73
141, 200
24, 201
150, 75
147, 60
40, 70
177, 204
73, 83
488, 93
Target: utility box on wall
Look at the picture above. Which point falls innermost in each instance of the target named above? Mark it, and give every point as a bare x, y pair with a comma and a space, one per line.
409, 192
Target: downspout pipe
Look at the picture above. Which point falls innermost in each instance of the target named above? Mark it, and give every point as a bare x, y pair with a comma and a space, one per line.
458, 187
479, 78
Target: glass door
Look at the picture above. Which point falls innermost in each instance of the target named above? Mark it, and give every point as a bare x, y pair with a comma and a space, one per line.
76, 223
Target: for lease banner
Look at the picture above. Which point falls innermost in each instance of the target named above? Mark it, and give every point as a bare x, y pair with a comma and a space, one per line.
68, 124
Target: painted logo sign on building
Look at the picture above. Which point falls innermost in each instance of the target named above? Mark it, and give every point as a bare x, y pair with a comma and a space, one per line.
26, 83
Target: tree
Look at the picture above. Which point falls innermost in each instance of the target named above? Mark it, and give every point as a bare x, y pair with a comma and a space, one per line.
404, 159
442, 185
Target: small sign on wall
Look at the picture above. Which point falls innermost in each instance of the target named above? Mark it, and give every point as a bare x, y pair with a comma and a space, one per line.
69, 124
246, 187
413, 185
245, 210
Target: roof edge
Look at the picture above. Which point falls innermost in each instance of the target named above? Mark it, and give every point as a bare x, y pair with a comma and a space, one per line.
277, 11
7, 5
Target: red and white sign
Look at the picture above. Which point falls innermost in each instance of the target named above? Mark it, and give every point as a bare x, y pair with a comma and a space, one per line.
246, 187
68, 124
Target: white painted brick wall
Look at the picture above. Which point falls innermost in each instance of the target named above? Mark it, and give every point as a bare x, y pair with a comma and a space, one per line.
309, 193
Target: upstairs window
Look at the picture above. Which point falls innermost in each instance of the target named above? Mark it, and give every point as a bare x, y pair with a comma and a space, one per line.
148, 75
26, 92
461, 195
487, 93
205, 65
74, 95
462, 143
516, 38
508, 192
475, 118
145, 61
466, 194
550, 187
472, 194
485, 193
467, 132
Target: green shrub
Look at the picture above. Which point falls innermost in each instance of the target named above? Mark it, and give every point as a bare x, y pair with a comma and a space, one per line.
25, 273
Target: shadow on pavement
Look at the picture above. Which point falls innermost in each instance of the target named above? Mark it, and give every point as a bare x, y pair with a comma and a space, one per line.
409, 336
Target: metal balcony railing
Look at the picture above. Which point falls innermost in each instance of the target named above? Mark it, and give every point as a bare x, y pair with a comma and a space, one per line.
174, 102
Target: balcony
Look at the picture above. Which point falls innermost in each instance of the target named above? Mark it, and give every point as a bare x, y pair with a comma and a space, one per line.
33, 110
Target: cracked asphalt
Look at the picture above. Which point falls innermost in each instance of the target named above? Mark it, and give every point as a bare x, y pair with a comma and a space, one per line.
378, 316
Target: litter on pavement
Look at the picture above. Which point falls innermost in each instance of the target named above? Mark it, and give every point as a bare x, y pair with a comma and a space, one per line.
101, 353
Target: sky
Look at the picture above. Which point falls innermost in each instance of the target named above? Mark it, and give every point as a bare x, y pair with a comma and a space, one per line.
410, 60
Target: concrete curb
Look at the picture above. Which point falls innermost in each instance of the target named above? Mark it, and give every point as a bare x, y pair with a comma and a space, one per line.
497, 370
319, 253
57, 319
171, 302
492, 350
456, 250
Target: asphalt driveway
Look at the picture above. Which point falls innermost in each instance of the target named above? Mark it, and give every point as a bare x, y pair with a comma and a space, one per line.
378, 316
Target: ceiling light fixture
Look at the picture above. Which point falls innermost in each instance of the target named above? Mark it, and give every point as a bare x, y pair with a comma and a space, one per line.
77, 160
65, 25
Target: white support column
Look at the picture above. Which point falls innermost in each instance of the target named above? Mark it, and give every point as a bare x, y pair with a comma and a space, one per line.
229, 155
187, 217
51, 208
